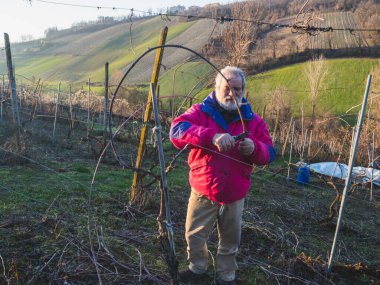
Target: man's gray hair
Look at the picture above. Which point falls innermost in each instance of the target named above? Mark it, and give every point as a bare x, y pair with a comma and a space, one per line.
230, 70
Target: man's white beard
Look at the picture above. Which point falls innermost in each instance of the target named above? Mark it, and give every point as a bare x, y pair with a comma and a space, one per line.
231, 106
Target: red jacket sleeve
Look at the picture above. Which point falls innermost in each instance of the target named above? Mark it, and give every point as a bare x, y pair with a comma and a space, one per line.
189, 128
264, 152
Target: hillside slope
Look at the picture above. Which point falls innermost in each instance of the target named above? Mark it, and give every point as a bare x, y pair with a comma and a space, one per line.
342, 88
80, 55
287, 87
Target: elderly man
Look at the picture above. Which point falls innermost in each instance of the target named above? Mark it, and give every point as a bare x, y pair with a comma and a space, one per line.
221, 164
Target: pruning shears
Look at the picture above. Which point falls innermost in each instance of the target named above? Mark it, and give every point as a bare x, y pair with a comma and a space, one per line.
240, 137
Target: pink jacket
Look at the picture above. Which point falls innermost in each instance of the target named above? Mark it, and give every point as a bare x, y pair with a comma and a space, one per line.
221, 177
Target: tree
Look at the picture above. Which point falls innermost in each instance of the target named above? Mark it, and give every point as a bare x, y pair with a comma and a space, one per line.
50, 31
238, 36
272, 41
315, 71
176, 9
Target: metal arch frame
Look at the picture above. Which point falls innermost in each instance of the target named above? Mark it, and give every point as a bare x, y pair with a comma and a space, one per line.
149, 50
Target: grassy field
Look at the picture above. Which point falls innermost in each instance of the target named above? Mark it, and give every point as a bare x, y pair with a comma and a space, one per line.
54, 221
78, 56
44, 212
119, 59
87, 64
343, 88
72, 62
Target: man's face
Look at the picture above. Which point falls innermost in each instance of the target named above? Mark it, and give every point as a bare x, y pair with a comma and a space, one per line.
225, 92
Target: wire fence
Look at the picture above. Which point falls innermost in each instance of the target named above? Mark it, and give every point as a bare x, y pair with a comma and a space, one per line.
297, 26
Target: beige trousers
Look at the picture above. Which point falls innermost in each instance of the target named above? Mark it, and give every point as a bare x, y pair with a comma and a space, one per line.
201, 216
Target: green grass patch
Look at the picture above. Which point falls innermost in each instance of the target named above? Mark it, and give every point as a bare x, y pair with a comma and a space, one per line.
39, 66
61, 179
78, 68
342, 89
144, 36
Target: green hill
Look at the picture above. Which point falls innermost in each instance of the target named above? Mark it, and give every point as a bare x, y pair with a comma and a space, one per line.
76, 55
342, 89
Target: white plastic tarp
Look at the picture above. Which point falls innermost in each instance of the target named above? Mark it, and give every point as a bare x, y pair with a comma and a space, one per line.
339, 170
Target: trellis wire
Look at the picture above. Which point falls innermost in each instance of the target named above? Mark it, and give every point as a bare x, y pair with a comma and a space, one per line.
297, 27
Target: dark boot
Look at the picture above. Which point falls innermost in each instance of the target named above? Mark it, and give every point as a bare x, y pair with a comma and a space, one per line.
188, 275
222, 282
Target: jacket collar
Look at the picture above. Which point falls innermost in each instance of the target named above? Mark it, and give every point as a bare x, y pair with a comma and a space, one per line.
211, 107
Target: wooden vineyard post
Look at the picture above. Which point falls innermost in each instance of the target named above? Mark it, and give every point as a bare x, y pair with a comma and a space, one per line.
275, 126
35, 100
158, 97
20, 92
12, 81
263, 112
1, 99
105, 105
148, 111
71, 110
164, 218
351, 162
56, 108
372, 164
309, 146
287, 137
291, 150
88, 107
39, 97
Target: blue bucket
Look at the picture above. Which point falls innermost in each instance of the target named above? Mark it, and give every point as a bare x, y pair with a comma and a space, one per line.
303, 175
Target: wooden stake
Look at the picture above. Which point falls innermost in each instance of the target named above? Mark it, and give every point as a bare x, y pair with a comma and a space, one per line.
105, 105
290, 153
373, 164
148, 111
1, 99
35, 100
39, 96
349, 171
164, 216
71, 110
309, 146
88, 108
20, 92
275, 126
303, 143
56, 108
287, 137
263, 112
12, 83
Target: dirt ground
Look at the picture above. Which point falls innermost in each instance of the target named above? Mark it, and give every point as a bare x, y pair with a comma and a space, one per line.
58, 225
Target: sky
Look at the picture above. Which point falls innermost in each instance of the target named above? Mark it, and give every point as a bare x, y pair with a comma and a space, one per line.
20, 18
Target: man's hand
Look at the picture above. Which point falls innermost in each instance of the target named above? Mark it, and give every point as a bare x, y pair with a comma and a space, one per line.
246, 147
223, 142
